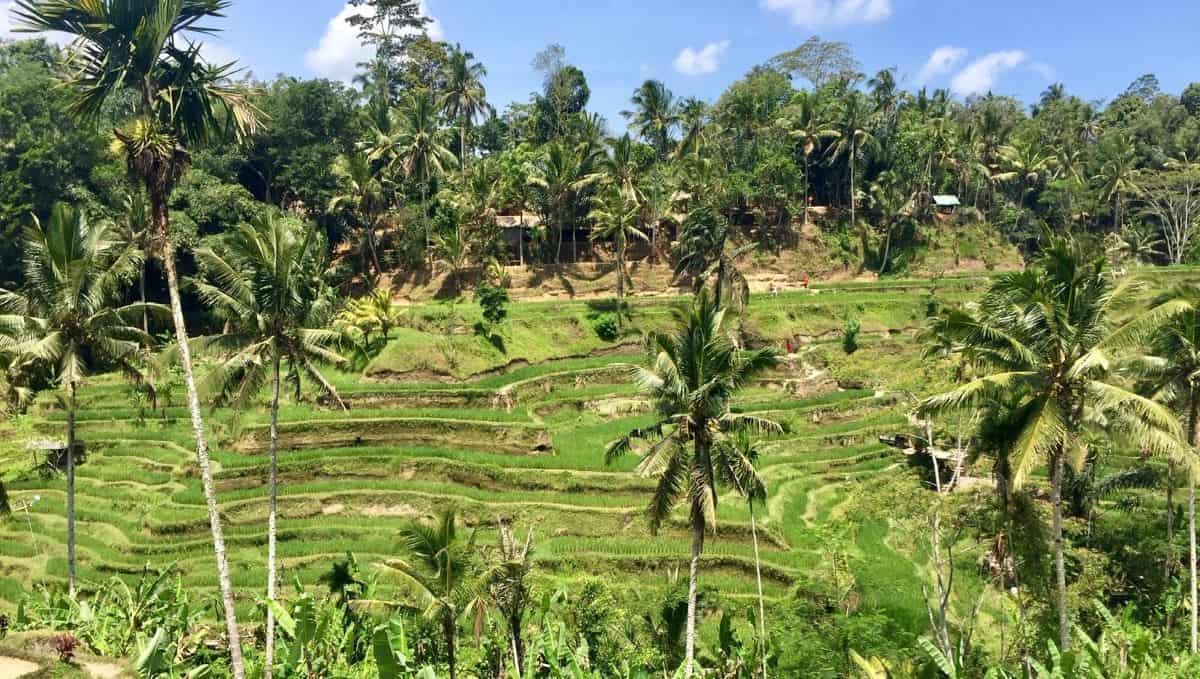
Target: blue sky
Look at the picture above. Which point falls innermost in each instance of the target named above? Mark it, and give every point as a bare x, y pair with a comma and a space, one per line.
698, 47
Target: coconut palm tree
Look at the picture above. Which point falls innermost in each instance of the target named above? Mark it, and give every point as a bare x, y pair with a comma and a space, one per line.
182, 103
363, 194
416, 148
737, 458
1044, 337
1025, 162
561, 172
706, 254
441, 573
1171, 367
854, 138
506, 581
135, 227
1118, 177
265, 283
66, 315
614, 217
654, 116
656, 200
694, 376
810, 130
465, 97
620, 167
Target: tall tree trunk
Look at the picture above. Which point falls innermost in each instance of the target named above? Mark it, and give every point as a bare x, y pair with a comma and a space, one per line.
142, 292
71, 489
620, 278
806, 188
373, 248
167, 252
1172, 557
272, 490
558, 250
521, 240
1194, 440
1060, 568
693, 576
853, 220
451, 646
518, 644
425, 215
762, 609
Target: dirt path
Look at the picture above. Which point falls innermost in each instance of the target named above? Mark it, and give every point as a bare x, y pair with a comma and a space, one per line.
12, 668
103, 670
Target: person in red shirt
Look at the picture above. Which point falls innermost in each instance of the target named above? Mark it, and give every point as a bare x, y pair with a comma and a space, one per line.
804, 281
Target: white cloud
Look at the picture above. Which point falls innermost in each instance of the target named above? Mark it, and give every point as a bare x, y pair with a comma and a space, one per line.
827, 13
1048, 72
941, 61
339, 51
980, 75
703, 61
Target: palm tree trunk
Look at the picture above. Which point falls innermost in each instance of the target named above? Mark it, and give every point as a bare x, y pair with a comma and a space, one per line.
558, 250
425, 215
167, 252
806, 188
372, 247
620, 278
1171, 556
521, 240
1194, 440
518, 644
272, 488
693, 576
71, 489
762, 609
1060, 569
142, 291
451, 643
853, 220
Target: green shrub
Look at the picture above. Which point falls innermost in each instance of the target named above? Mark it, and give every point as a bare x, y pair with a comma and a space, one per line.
850, 335
605, 326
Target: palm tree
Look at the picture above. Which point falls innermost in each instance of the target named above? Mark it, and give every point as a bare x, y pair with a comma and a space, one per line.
561, 172
465, 98
182, 103
135, 225
508, 589
416, 148
621, 167
854, 137
809, 130
695, 375
614, 216
1118, 177
738, 457
65, 316
1025, 162
1171, 367
1044, 338
363, 194
441, 575
656, 200
705, 253
654, 116
266, 285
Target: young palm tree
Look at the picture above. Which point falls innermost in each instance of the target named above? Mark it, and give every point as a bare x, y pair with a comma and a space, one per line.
363, 194
561, 172
465, 98
506, 581
66, 318
854, 138
441, 575
621, 167
657, 199
614, 216
182, 103
694, 377
1044, 338
416, 148
654, 116
266, 284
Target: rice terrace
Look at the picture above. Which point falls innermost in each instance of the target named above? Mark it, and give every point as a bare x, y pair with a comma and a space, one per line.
847, 360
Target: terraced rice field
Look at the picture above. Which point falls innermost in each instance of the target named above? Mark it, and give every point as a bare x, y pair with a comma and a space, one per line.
524, 443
